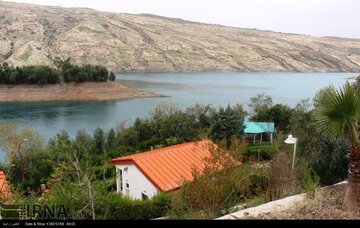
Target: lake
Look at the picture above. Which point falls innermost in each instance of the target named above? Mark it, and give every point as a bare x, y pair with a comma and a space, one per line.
183, 89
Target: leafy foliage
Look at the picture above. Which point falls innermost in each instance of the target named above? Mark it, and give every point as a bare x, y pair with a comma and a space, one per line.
46, 75
279, 114
259, 103
124, 208
227, 123
259, 152
337, 111
112, 76
28, 75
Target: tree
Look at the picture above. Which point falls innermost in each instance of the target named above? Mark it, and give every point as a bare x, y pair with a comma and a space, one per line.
258, 103
227, 123
112, 76
337, 112
111, 139
279, 114
66, 68
22, 160
99, 139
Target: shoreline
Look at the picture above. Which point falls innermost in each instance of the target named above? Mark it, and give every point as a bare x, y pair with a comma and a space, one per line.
85, 91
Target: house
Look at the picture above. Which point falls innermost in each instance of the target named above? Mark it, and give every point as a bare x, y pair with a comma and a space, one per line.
259, 128
4, 187
143, 175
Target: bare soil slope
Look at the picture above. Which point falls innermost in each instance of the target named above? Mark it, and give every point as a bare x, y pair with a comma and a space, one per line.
32, 34
87, 91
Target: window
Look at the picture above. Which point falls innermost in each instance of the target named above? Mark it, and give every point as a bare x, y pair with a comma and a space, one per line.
121, 182
127, 185
144, 197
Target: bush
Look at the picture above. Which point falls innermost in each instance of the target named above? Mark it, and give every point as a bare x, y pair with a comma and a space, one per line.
281, 180
125, 208
261, 152
311, 181
328, 160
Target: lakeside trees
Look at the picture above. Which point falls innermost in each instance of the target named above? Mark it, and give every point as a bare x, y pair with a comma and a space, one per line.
65, 72
28, 75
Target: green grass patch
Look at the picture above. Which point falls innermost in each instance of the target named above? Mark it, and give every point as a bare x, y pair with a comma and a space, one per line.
26, 55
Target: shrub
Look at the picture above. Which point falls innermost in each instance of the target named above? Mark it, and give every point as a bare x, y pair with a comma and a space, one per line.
281, 181
260, 152
125, 208
311, 181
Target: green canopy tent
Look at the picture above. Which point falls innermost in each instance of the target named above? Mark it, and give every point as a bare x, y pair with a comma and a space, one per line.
259, 128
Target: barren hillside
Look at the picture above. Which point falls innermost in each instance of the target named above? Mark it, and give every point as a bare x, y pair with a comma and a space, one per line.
31, 34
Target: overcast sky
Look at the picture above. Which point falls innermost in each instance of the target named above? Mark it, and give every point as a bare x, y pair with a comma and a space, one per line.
311, 17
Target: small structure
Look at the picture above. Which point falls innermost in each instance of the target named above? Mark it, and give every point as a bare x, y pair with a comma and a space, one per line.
259, 128
143, 175
5, 193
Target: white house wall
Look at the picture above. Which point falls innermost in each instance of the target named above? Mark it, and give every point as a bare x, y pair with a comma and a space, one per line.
138, 183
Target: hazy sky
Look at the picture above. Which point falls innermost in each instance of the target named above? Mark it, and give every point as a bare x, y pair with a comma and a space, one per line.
312, 17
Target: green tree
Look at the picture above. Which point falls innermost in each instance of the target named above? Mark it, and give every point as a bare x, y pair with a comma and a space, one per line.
258, 103
65, 69
112, 76
337, 112
23, 147
279, 114
111, 139
99, 139
227, 123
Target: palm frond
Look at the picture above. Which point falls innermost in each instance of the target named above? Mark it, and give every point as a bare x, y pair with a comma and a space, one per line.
338, 110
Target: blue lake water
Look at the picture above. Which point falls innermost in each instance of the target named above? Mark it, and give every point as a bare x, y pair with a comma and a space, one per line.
183, 89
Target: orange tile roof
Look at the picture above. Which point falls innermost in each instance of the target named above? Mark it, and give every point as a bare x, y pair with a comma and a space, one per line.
167, 167
4, 187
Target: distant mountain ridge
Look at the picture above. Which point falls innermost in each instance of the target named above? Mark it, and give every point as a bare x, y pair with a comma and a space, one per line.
32, 34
